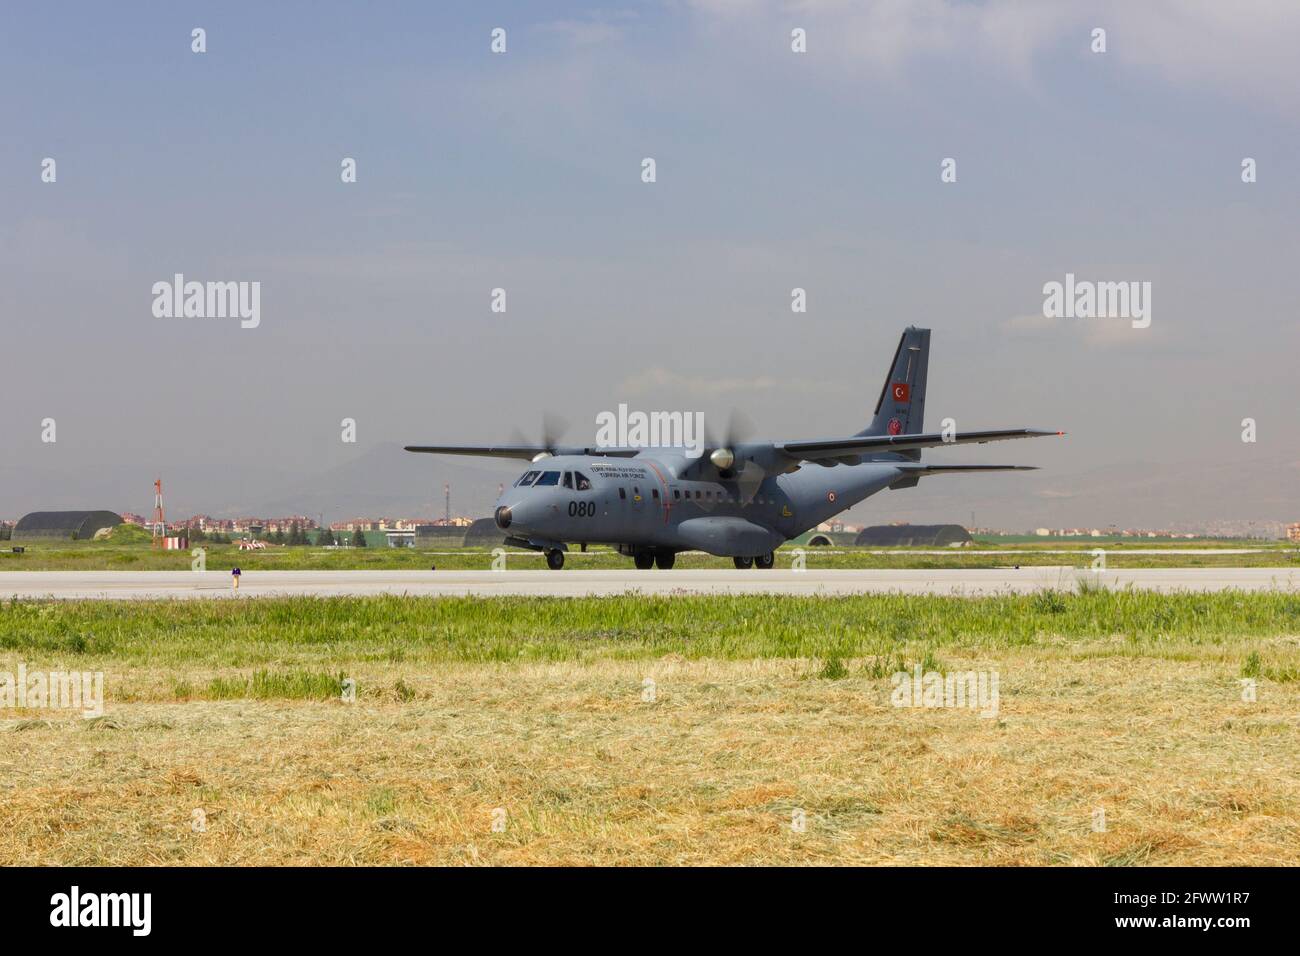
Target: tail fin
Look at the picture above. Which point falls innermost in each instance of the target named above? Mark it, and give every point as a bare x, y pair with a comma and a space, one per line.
901, 408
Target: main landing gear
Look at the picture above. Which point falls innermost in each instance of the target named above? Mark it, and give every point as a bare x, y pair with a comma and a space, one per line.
645, 560
555, 559
763, 562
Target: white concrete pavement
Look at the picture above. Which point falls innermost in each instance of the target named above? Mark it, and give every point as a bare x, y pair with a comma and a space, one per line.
123, 585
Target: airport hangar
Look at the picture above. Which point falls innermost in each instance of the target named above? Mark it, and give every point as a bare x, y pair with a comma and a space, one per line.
64, 525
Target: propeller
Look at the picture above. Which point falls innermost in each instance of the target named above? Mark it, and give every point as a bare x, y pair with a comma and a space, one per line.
738, 431
553, 429
726, 457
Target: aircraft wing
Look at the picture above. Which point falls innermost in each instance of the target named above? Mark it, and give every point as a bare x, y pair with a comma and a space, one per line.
522, 452
866, 444
960, 469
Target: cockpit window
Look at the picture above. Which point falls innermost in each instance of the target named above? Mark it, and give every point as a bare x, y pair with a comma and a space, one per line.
567, 481
581, 481
528, 478
548, 478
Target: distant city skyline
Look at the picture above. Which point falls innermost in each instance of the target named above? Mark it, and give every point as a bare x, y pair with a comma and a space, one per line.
1272, 530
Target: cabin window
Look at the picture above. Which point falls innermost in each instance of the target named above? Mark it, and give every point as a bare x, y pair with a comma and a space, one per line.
676, 495
622, 494
654, 492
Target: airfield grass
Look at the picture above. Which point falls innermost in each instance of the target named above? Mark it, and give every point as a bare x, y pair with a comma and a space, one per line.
536, 713
139, 556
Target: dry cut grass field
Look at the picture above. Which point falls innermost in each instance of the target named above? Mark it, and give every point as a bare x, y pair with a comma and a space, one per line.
525, 732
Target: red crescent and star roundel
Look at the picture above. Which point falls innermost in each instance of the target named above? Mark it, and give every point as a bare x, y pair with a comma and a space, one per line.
895, 427
902, 391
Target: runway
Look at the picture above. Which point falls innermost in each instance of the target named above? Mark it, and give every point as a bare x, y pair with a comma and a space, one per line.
126, 585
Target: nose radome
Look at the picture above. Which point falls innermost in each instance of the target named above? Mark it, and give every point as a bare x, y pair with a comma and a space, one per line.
503, 517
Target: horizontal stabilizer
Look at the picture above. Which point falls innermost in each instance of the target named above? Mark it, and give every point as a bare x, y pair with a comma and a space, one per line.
868, 444
951, 469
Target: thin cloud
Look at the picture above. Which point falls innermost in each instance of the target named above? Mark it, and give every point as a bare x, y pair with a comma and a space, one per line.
1102, 333
597, 31
1245, 49
665, 380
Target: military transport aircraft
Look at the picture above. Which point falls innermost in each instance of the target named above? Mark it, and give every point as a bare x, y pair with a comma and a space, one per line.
737, 499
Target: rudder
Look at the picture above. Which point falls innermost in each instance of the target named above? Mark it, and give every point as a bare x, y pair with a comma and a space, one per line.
900, 409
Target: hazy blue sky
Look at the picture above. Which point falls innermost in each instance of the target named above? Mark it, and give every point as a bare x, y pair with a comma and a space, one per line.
775, 170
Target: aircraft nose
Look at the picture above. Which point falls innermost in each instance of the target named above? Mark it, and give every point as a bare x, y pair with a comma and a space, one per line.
503, 517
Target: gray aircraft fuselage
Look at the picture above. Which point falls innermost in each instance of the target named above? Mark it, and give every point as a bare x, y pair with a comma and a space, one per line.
661, 500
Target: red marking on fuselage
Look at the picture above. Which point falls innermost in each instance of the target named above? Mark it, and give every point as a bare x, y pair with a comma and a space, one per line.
667, 504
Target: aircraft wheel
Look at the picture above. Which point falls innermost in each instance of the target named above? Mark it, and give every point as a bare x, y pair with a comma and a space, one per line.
765, 561
664, 560
555, 560
743, 563
644, 560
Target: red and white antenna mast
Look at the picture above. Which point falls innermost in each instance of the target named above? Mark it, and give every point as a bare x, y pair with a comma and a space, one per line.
159, 522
